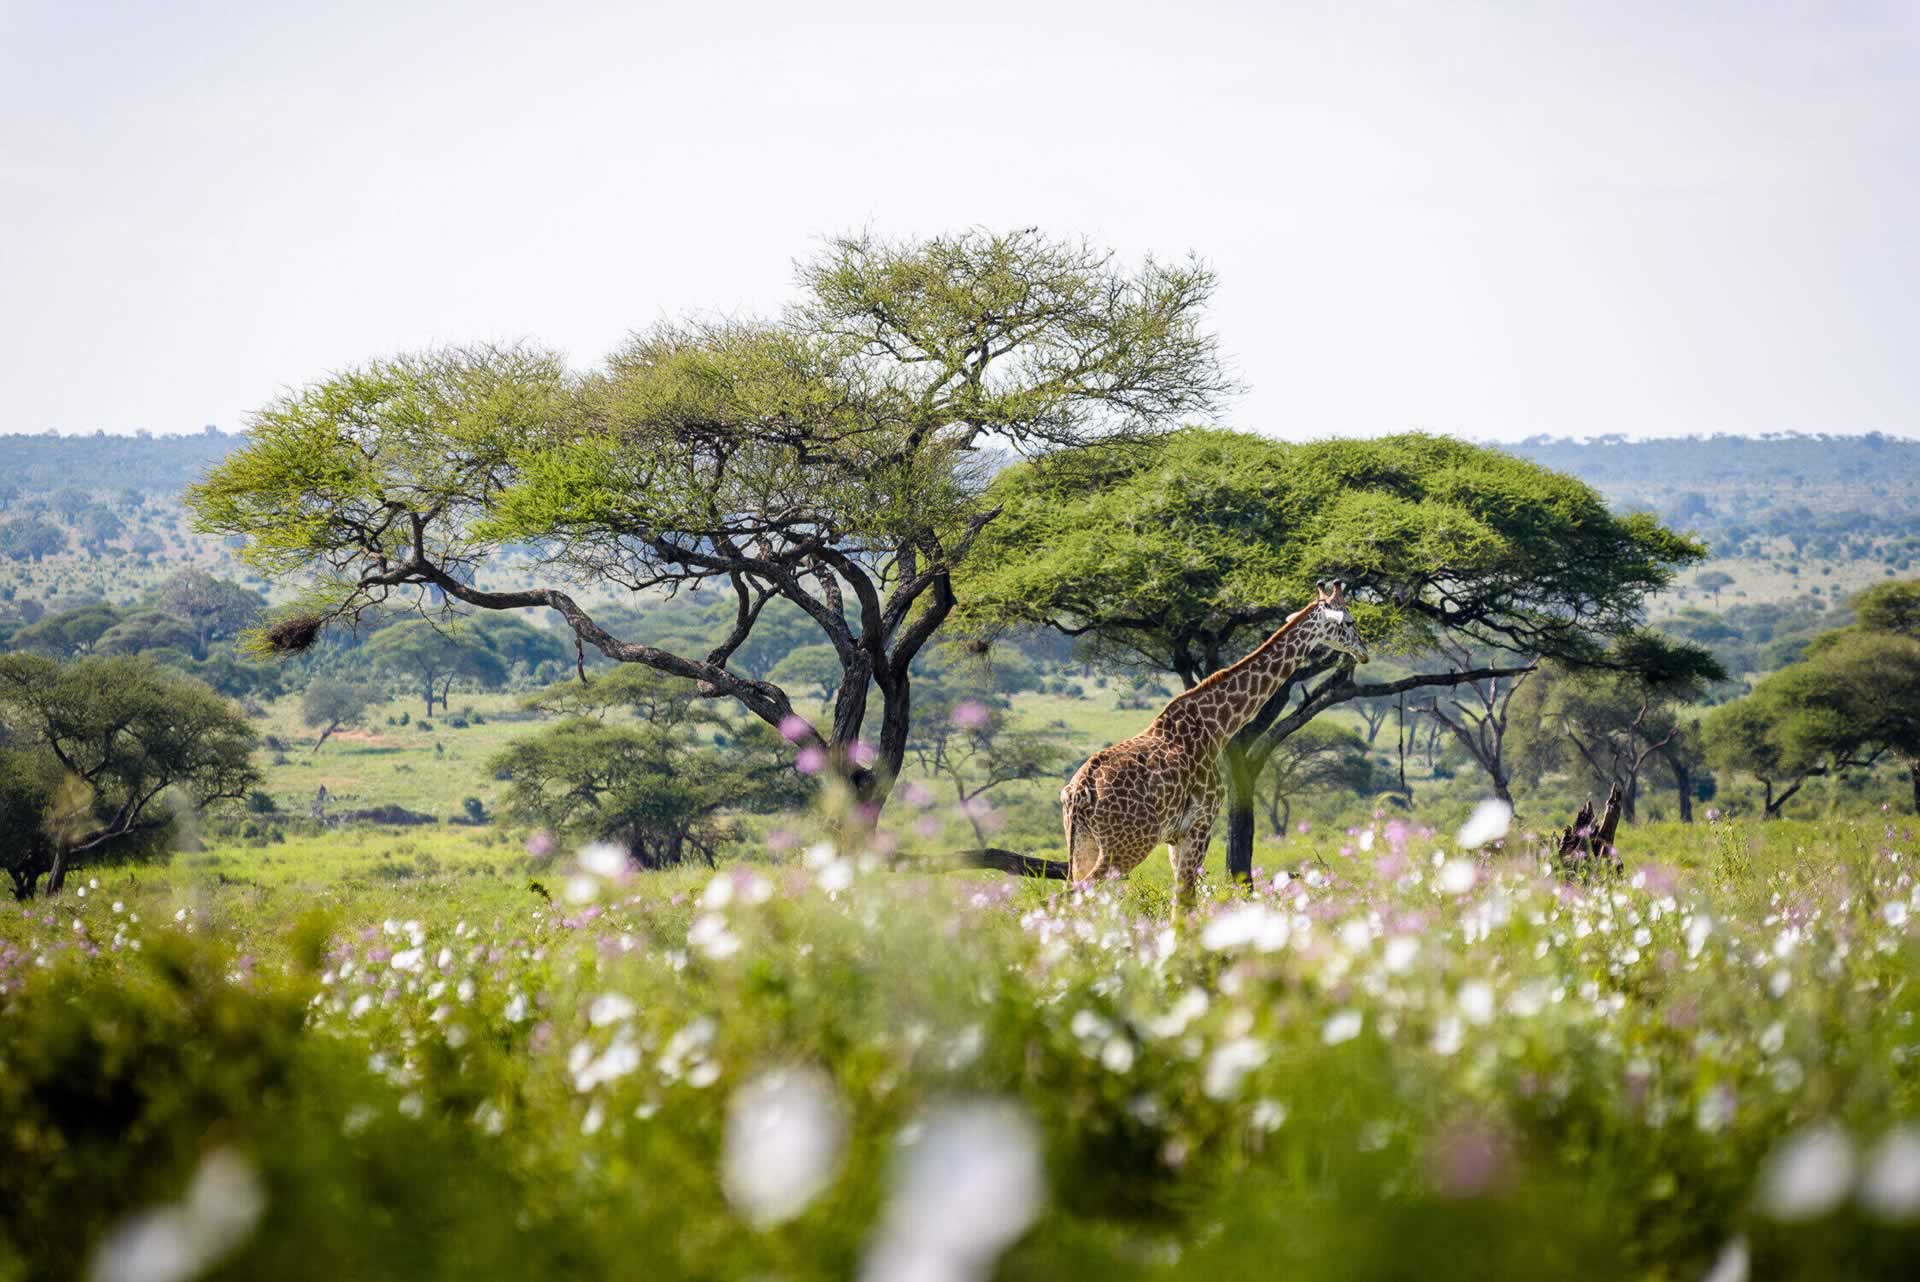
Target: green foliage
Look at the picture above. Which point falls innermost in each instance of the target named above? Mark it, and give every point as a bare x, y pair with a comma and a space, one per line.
118, 734
1854, 699
434, 654
1604, 725
213, 608
1201, 543
28, 538
1890, 607
658, 788
68, 633
1360, 1074
329, 704
812, 669
1319, 757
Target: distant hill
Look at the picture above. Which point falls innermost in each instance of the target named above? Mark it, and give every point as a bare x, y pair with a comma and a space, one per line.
153, 464
1872, 467
1825, 489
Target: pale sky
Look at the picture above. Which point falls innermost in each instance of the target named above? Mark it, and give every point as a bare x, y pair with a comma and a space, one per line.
1487, 219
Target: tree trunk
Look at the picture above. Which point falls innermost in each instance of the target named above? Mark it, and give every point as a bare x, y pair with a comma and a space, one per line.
1274, 818
1774, 803
1243, 775
57, 875
1682, 785
1401, 745
1913, 772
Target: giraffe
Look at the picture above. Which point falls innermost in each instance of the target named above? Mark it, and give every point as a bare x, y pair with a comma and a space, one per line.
1165, 785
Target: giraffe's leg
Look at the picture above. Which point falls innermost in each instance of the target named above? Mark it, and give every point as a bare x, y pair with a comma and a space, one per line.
1189, 860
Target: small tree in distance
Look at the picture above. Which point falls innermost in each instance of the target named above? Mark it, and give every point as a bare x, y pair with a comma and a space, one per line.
102, 741
330, 704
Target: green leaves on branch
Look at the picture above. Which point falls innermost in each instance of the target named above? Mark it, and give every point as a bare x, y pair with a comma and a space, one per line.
1204, 540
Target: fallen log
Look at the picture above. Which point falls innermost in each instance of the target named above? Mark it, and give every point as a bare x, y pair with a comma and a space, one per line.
1015, 864
1586, 847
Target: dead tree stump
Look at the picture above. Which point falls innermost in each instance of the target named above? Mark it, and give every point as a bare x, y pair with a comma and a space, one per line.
1586, 848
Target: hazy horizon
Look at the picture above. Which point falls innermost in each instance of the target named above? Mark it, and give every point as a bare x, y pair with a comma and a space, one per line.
1494, 223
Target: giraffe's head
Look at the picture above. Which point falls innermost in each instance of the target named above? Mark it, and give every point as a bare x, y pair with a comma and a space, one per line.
1332, 623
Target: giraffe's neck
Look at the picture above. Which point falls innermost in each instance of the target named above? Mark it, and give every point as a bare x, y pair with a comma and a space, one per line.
1214, 711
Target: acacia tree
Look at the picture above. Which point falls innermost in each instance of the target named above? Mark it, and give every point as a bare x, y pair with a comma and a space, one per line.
1183, 554
1609, 723
214, 608
330, 704
828, 458
100, 741
1475, 713
1852, 701
434, 655
1320, 757
658, 786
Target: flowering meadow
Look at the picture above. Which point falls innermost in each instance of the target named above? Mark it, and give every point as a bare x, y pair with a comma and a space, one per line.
1400, 1056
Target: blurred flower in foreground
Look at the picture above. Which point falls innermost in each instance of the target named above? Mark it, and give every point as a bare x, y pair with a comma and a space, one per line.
810, 760
1732, 1266
966, 1190
969, 714
183, 1239
1890, 1188
1466, 1160
1808, 1175
1487, 824
785, 1134
795, 728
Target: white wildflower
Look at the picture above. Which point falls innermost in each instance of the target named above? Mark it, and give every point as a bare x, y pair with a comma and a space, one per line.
1342, 1026
1488, 824
410, 960
785, 1135
1890, 1187
1248, 924
1229, 1065
184, 1239
966, 1191
604, 859
1732, 1265
710, 937
1400, 953
610, 1008
1456, 876
1475, 1001
1116, 1056
1190, 1006
1808, 1175
1714, 1109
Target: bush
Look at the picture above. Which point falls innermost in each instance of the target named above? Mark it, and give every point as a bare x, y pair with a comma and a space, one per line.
261, 802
